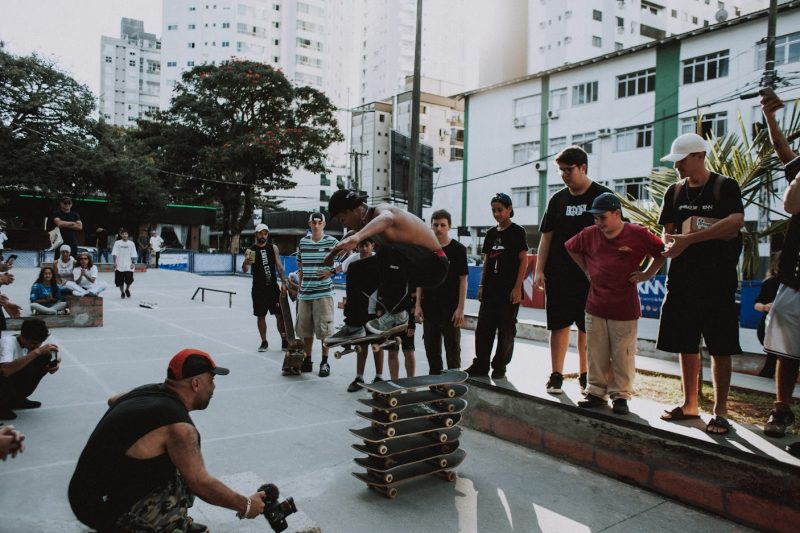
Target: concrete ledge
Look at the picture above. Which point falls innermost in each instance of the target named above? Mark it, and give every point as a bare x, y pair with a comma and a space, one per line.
741, 477
85, 312
108, 267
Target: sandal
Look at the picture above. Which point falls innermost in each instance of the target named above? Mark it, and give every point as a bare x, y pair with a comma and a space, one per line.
677, 414
718, 426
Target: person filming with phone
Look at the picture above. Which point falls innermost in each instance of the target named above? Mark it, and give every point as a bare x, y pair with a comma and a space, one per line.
24, 361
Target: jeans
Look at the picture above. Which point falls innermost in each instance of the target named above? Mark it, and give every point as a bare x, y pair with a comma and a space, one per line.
496, 317
434, 332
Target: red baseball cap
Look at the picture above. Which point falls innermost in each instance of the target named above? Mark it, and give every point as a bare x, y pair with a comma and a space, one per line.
191, 362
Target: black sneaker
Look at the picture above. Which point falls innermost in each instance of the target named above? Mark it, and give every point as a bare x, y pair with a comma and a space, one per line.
26, 404
498, 374
583, 380
591, 401
779, 422
554, 383
620, 406
128, 293
475, 372
122, 294
355, 385
794, 449
324, 369
264, 346
7, 414
377, 379
307, 366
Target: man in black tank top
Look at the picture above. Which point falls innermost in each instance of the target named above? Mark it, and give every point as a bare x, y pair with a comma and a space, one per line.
142, 464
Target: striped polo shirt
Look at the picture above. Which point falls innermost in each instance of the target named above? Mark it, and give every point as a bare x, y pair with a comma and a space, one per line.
311, 254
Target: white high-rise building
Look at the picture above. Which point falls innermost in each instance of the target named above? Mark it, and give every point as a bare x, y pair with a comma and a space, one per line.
562, 32
130, 66
311, 41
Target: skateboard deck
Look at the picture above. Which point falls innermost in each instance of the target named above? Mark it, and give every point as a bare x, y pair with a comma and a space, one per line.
409, 444
293, 359
435, 426
389, 468
391, 338
389, 490
386, 391
413, 412
415, 398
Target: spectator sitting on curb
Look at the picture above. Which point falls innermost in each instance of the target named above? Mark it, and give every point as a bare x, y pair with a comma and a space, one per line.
46, 294
64, 267
24, 360
11, 442
85, 275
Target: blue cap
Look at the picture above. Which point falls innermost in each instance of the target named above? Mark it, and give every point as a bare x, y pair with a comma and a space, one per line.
608, 201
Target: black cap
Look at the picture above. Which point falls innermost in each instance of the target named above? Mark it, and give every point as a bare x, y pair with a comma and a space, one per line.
316, 215
504, 199
608, 201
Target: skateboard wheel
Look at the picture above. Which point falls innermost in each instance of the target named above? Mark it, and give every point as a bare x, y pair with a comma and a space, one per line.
337, 354
451, 407
388, 478
442, 437
451, 393
376, 347
390, 432
448, 422
393, 417
391, 493
442, 463
392, 402
383, 449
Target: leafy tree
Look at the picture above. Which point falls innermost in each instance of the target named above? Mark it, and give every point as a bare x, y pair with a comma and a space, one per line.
44, 125
751, 161
236, 131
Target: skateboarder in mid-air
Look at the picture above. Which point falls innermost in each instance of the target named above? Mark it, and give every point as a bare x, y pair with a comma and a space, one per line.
408, 256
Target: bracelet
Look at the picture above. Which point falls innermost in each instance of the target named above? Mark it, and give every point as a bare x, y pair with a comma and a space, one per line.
241, 516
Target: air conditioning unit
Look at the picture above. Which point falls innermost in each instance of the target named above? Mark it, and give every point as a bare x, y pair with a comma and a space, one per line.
519, 122
552, 114
604, 133
539, 165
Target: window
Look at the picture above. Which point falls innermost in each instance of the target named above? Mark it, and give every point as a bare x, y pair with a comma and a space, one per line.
584, 140
694, 20
381, 117
597, 15
456, 154
632, 138
225, 44
711, 124
192, 26
324, 180
674, 13
132, 63
525, 196
192, 8
172, 27
226, 25
597, 42
525, 152
324, 196
620, 24
527, 106
787, 50
584, 93
108, 59
635, 188
707, 67
190, 63
557, 144
276, 24
618, 46
640, 82
172, 63
558, 99
191, 45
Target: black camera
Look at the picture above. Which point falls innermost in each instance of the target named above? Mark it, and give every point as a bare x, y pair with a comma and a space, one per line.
274, 511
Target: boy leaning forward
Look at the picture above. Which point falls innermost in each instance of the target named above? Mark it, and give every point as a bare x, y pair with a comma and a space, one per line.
610, 253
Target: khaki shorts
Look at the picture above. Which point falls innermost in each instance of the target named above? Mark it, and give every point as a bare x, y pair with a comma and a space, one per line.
315, 317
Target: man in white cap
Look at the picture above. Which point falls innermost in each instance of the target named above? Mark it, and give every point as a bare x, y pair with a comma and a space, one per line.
267, 267
701, 214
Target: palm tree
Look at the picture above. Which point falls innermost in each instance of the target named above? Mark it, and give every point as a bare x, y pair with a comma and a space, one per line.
749, 159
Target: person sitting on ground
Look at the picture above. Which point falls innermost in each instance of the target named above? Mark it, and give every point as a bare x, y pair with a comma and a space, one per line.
769, 289
85, 276
409, 255
24, 360
142, 465
11, 442
46, 294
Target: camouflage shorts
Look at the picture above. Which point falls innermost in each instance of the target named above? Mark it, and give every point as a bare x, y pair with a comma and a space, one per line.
163, 510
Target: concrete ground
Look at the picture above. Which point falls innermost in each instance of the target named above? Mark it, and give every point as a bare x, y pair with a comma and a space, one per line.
291, 431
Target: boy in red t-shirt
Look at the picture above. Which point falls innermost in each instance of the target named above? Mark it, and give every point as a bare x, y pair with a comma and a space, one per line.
610, 253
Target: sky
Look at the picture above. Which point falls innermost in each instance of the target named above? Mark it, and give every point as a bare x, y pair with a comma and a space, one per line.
69, 31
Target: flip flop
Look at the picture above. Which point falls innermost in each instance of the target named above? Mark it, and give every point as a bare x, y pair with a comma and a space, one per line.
677, 414
720, 423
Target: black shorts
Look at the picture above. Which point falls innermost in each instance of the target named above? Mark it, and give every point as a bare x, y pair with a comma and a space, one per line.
685, 319
565, 302
266, 300
121, 278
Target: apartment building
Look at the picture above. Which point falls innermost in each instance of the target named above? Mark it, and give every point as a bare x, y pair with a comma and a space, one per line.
562, 32
624, 108
130, 67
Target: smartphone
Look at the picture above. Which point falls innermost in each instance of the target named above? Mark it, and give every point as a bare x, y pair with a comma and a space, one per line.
11, 259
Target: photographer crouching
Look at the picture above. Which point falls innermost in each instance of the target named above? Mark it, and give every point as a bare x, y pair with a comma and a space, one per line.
142, 465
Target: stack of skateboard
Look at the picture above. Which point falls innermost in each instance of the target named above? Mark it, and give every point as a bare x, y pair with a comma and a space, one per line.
413, 430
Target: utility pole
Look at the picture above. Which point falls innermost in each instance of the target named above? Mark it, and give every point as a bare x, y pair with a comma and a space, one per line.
414, 196
355, 178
